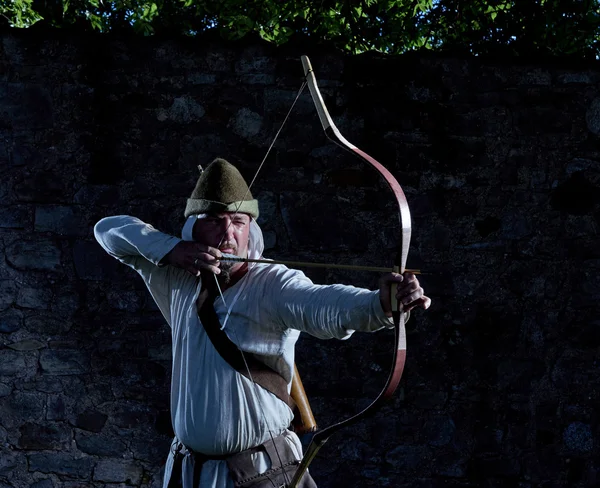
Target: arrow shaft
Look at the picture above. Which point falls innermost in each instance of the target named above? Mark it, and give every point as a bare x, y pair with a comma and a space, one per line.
309, 264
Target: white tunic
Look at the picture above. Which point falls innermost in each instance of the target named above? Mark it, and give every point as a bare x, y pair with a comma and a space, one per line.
214, 409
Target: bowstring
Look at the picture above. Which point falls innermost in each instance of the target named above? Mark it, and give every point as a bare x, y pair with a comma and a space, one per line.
262, 410
304, 83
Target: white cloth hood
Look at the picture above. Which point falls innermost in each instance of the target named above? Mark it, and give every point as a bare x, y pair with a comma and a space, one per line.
256, 244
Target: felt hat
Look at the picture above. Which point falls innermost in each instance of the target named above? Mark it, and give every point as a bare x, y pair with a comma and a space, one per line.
221, 188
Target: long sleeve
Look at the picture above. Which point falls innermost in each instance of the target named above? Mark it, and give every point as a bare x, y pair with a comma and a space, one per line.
328, 311
141, 247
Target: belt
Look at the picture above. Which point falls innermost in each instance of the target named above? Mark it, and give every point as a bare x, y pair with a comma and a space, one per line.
179, 451
239, 462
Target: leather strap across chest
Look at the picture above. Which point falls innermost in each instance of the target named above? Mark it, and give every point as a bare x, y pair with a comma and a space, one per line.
245, 364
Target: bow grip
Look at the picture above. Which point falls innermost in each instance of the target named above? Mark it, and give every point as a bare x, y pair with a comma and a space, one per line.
393, 292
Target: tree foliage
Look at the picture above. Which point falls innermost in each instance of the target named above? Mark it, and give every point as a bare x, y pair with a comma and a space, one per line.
555, 27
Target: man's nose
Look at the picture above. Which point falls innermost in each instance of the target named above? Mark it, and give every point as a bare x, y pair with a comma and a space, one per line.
228, 230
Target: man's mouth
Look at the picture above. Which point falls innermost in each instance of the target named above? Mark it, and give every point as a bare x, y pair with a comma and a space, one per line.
229, 249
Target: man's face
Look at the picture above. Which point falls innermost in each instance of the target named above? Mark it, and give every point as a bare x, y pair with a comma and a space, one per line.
226, 231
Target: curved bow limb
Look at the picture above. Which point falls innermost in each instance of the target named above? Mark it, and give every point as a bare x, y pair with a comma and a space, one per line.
399, 354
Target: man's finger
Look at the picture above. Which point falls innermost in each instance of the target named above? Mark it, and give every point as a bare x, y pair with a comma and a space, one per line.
408, 277
200, 265
209, 253
208, 258
406, 289
409, 296
424, 302
393, 278
213, 251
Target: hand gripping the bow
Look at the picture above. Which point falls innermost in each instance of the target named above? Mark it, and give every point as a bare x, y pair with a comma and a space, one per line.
399, 355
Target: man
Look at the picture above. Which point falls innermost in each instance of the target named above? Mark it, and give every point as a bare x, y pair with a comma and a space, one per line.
216, 410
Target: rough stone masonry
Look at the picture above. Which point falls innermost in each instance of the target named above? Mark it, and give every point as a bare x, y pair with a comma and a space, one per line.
500, 161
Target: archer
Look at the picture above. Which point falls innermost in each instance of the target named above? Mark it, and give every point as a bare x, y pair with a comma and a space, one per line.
232, 426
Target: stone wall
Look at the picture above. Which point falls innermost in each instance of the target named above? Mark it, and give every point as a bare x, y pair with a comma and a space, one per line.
500, 163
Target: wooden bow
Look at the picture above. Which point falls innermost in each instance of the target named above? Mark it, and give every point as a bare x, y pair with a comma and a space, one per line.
399, 355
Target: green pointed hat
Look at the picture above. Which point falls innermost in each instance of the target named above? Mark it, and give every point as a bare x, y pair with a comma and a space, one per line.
221, 188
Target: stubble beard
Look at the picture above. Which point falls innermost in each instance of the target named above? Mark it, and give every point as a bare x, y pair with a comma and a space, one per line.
225, 275
227, 266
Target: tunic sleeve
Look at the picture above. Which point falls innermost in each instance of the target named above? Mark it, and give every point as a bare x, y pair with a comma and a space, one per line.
328, 311
141, 247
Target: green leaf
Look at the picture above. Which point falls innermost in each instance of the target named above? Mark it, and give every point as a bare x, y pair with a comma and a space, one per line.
20, 13
387, 26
